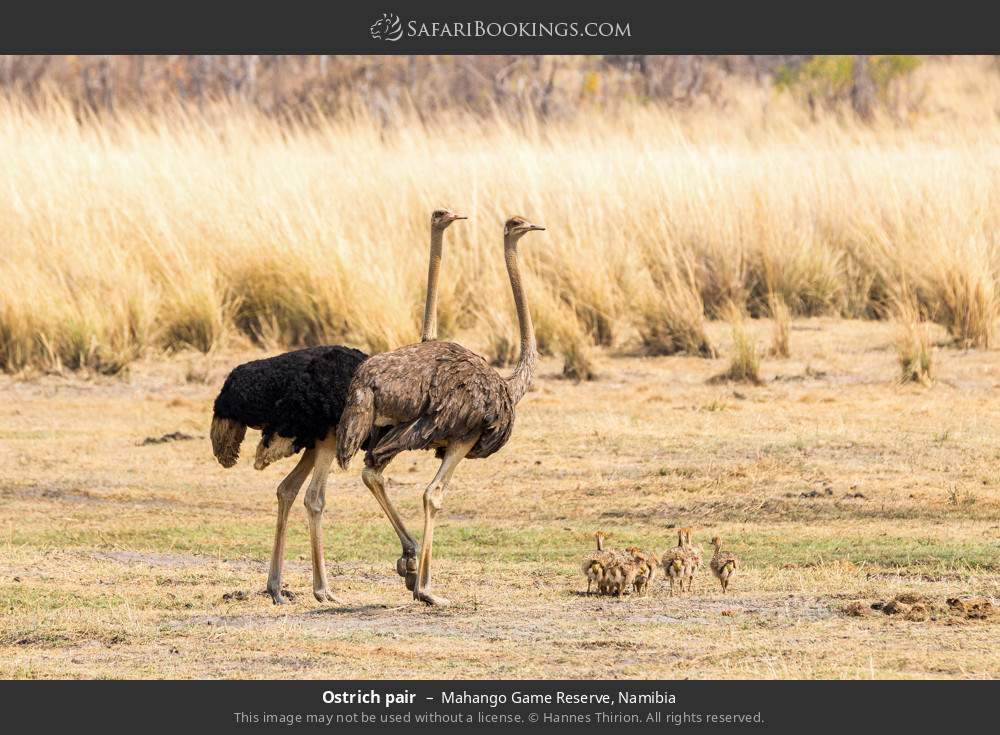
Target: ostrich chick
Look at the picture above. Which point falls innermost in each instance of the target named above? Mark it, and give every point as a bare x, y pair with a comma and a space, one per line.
723, 564
620, 574
693, 556
676, 564
645, 569
596, 563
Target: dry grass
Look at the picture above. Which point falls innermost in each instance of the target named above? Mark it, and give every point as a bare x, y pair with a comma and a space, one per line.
672, 314
744, 359
964, 293
913, 344
782, 326
115, 556
138, 233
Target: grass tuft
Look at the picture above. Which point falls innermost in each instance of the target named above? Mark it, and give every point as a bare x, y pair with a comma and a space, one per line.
744, 362
913, 345
781, 315
965, 299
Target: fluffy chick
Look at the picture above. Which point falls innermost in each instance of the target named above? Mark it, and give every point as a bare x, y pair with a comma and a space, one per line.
645, 569
693, 553
676, 563
595, 564
620, 574
723, 564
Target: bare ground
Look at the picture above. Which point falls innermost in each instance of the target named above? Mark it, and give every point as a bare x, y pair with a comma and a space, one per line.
837, 487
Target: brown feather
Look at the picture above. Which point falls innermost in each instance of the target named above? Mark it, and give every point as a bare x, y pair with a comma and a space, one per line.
432, 393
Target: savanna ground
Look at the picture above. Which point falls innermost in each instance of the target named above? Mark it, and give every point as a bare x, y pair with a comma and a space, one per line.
118, 558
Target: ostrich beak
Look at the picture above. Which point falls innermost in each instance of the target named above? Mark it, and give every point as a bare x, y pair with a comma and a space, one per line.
532, 228
458, 216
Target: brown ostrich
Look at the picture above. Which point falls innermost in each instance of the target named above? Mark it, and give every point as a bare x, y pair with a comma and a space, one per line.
441, 396
296, 400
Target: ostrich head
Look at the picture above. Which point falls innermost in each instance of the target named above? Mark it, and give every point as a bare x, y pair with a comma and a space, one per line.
441, 218
716, 541
517, 226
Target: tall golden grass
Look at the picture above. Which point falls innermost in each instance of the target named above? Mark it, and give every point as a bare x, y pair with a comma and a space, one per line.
161, 231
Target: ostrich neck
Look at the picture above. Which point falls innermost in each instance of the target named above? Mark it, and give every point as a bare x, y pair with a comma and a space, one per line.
520, 380
429, 331
600, 543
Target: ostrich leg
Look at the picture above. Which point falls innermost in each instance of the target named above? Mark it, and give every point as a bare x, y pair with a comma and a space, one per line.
406, 565
433, 501
287, 490
315, 500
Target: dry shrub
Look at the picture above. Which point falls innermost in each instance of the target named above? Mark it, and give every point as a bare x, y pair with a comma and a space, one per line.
963, 290
671, 312
101, 327
577, 362
193, 316
913, 344
744, 362
782, 324
561, 332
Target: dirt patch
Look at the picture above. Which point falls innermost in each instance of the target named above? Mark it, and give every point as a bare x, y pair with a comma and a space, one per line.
972, 607
48, 492
901, 574
174, 436
918, 608
857, 609
826, 492
173, 561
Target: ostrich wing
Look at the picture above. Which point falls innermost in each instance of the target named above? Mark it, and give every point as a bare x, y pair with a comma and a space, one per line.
435, 393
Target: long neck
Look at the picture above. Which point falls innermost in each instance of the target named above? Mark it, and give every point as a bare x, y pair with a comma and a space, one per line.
520, 380
600, 543
429, 330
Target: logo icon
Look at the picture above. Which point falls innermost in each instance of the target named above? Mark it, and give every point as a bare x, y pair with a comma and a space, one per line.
387, 28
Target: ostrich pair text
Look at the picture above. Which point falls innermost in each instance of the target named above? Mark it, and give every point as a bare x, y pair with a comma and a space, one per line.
296, 399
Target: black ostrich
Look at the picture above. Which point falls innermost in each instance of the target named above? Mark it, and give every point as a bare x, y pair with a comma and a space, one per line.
296, 399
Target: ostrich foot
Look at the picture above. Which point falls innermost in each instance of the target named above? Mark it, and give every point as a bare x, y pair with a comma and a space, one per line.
406, 567
429, 599
279, 596
323, 595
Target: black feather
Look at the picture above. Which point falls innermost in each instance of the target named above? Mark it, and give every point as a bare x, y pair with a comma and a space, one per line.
298, 395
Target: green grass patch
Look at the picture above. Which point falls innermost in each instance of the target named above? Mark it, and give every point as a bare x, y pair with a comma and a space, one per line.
487, 542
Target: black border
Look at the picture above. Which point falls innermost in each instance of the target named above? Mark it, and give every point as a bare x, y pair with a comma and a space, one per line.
793, 707
332, 26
